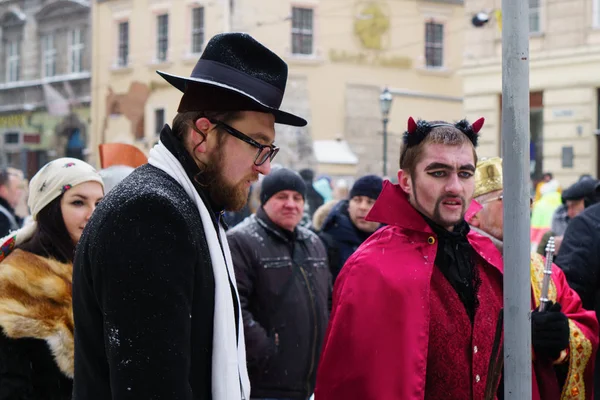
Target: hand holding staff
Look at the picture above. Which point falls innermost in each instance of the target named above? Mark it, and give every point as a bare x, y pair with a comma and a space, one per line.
544, 301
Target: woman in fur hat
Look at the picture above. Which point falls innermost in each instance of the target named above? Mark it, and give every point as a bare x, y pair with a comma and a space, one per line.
36, 265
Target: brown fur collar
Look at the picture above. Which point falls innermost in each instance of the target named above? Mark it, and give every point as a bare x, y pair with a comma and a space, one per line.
36, 302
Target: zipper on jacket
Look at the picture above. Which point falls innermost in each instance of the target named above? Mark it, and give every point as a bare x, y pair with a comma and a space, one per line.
315, 330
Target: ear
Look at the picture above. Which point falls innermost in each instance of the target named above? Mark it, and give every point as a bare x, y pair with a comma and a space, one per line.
198, 141
404, 181
411, 125
475, 221
477, 125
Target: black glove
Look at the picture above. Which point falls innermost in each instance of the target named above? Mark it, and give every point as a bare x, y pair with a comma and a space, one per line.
549, 332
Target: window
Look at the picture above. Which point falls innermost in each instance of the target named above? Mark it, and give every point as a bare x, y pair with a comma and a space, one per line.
434, 45
162, 37
123, 50
76, 50
11, 138
48, 56
596, 13
302, 30
534, 16
12, 60
159, 120
197, 29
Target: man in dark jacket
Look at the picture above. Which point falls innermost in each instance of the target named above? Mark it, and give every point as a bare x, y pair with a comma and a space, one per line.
579, 258
11, 182
345, 228
284, 285
314, 199
575, 198
156, 308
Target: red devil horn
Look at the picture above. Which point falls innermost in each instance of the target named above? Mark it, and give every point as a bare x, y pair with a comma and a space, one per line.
412, 125
477, 125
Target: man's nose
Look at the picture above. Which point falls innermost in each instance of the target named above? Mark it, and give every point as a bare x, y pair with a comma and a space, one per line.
265, 168
453, 184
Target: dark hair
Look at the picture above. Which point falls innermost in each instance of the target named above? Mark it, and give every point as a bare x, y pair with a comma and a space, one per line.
3, 176
51, 238
446, 135
185, 120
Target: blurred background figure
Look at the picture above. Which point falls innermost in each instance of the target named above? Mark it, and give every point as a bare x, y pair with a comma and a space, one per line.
313, 199
321, 215
11, 190
543, 210
113, 175
341, 189
575, 198
546, 178
323, 186
346, 228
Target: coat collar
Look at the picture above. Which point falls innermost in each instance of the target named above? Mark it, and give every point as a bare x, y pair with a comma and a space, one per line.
392, 208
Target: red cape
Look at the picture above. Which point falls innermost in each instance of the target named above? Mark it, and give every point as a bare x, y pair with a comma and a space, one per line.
377, 340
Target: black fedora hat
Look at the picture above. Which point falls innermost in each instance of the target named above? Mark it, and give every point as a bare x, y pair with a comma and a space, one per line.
248, 73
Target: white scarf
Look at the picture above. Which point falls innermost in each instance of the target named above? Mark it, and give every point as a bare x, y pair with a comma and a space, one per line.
229, 374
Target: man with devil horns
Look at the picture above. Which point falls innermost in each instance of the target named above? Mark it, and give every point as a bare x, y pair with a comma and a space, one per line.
415, 308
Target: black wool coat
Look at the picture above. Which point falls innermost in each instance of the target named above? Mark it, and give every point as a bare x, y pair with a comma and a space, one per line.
143, 292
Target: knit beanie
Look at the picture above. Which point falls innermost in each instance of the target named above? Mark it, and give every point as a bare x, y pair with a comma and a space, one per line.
368, 185
281, 179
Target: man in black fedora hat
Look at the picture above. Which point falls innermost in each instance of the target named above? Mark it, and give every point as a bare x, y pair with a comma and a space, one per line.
157, 313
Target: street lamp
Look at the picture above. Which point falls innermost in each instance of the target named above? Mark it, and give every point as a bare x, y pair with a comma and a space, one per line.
385, 104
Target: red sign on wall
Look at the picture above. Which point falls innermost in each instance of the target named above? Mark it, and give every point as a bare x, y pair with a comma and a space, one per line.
32, 138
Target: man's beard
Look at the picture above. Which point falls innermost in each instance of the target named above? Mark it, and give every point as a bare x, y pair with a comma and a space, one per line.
437, 214
225, 195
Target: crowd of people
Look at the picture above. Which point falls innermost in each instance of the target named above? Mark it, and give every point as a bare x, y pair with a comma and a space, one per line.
187, 278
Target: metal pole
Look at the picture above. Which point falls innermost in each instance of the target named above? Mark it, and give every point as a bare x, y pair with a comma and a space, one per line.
385, 123
515, 146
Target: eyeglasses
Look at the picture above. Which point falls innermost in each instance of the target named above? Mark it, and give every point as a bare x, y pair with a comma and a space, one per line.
265, 152
501, 197
493, 199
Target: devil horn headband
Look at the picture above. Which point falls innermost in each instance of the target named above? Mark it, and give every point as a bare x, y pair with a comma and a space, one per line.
417, 131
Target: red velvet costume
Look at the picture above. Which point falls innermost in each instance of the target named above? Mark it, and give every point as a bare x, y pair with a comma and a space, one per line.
398, 329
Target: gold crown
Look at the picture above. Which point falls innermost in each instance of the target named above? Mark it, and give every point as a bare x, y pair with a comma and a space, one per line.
488, 176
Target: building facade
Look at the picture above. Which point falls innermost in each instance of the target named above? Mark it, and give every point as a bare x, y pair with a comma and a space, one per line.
341, 54
564, 84
44, 81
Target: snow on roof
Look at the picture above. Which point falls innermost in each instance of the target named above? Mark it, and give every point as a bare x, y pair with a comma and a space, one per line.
334, 152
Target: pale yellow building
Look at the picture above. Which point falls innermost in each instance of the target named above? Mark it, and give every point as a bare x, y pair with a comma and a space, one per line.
564, 81
341, 54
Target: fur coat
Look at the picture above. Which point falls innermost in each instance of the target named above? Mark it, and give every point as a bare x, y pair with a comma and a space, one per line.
36, 319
